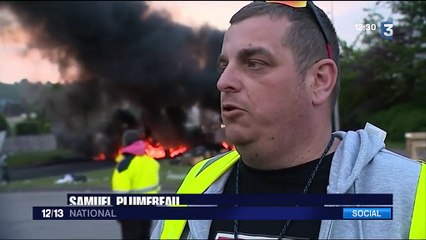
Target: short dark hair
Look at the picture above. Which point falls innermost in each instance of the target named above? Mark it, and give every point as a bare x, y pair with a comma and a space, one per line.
304, 35
130, 136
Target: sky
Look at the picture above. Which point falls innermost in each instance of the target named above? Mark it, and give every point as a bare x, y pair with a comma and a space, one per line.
18, 62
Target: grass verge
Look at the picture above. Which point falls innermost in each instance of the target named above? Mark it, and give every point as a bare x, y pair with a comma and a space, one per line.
97, 180
40, 158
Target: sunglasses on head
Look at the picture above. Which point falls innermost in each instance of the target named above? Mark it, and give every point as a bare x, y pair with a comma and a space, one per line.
314, 10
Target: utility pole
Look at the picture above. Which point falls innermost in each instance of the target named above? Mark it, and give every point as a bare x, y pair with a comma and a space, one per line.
336, 116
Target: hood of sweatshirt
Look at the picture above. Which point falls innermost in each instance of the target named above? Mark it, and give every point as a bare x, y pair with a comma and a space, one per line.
136, 148
355, 151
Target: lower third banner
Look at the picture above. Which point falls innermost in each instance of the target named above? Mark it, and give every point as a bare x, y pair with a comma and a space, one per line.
225, 213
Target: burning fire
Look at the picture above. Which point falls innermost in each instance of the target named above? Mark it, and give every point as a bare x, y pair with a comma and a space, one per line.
176, 151
228, 146
157, 151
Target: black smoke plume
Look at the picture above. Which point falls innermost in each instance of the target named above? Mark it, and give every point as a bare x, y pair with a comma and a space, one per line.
128, 52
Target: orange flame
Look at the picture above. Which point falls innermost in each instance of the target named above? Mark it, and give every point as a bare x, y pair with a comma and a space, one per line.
228, 146
176, 151
157, 151
154, 151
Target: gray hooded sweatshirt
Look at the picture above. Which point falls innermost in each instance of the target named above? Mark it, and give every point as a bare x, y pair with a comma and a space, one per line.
361, 164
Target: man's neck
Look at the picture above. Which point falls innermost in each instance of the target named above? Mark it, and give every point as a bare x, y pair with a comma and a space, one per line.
286, 152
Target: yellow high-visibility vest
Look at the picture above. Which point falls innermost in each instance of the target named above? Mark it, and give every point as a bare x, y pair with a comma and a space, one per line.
206, 172
418, 219
136, 174
199, 178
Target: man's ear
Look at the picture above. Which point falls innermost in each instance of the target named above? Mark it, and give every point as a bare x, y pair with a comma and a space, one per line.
323, 79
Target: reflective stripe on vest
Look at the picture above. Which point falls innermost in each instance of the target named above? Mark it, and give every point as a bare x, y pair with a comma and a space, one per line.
173, 229
418, 220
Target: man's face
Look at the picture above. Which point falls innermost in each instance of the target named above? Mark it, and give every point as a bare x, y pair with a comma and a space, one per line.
262, 97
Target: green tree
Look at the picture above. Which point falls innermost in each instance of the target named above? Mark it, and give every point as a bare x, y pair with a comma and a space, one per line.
4, 126
28, 127
32, 127
385, 81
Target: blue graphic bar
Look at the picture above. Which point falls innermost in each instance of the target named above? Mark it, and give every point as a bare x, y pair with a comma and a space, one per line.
362, 213
248, 199
226, 213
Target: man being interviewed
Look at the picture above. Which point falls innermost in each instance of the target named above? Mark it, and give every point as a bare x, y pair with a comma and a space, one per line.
134, 173
279, 84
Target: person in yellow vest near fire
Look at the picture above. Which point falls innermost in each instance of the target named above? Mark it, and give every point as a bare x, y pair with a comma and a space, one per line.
135, 172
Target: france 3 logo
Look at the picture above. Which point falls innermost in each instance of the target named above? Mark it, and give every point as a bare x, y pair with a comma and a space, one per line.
386, 30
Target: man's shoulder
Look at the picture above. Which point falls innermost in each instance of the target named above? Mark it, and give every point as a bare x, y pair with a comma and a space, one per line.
144, 159
389, 172
124, 163
202, 165
396, 158
388, 159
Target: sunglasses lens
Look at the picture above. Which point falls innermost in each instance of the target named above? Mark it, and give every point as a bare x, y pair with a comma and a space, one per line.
295, 4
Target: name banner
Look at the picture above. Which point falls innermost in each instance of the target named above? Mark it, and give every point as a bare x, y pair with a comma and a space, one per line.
105, 206
229, 199
205, 213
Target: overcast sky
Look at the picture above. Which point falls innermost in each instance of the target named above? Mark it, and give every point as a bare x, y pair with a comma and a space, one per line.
14, 65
